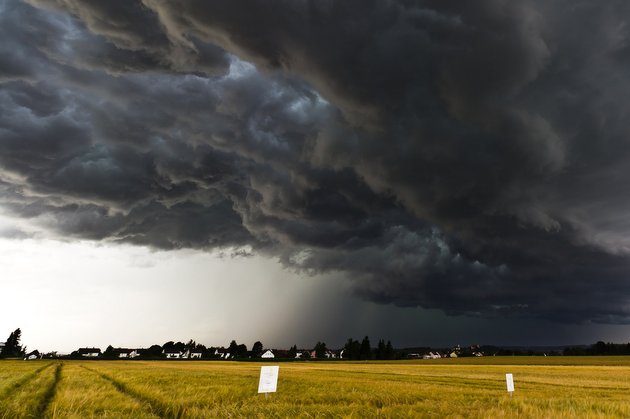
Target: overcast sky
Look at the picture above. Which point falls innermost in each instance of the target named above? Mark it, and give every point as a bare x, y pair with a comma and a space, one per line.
433, 172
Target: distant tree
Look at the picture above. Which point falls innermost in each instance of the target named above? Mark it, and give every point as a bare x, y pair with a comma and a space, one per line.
306, 355
154, 351
389, 351
380, 349
241, 351
366, 349
320, 350
352, 349
109, 352
257, 349
233, 348
12, 347
292, 351
237, 351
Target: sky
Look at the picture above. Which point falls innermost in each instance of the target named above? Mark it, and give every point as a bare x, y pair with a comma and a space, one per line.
430, 172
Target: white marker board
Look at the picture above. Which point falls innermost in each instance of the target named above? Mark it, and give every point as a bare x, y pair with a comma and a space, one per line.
509, 379
268, 379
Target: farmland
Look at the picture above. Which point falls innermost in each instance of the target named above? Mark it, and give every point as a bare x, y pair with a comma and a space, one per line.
471, 387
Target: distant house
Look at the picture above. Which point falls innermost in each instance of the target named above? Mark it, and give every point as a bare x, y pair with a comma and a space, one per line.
268, 354
2, 345
128, 353
196, 355
453, 354
221, 353
172, 354
431, 355
90, 352
32, 355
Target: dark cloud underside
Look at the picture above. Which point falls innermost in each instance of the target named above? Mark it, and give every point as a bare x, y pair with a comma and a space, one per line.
470, 157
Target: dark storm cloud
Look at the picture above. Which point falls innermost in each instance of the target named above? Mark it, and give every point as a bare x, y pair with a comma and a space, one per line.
467, 157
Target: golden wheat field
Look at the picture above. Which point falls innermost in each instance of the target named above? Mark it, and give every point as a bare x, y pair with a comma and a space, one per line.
545, 387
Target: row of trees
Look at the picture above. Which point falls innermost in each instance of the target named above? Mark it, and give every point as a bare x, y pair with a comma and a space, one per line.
600, 348
12, 347
353, 349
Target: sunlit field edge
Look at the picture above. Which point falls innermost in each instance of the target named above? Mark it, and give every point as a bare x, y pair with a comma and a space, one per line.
470, 387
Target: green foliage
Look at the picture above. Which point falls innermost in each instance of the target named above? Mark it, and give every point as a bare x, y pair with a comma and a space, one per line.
257, 349
292, 352
320, 350
365, 351
390, 353
600, 348
237, 351
352, 349
12, 347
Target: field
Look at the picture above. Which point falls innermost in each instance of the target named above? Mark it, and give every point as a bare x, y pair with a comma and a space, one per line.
545, 387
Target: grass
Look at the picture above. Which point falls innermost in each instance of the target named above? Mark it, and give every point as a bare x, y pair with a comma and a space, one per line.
545, 387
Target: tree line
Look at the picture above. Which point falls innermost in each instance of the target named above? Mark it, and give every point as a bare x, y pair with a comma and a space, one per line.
599, 348
352, 350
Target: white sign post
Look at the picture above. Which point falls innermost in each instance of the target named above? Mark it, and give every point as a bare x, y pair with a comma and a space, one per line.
268, 380
509, 379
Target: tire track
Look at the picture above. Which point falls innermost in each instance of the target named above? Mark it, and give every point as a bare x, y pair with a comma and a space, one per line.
12, 388
49, 395
158, 407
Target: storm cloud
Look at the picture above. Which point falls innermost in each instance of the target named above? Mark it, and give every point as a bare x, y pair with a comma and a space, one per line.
468, 157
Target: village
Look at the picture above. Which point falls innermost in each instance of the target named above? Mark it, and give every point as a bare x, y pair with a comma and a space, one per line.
193, 351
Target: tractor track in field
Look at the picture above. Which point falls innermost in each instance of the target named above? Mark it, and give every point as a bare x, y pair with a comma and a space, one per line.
49, 395
158, 407
15, 386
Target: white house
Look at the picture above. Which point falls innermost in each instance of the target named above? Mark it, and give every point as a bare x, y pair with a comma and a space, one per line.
221, 354
128, 353
32, 355
172, 354
268, 354
90, 352
195, 355
431, 355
